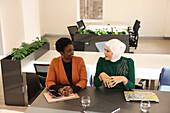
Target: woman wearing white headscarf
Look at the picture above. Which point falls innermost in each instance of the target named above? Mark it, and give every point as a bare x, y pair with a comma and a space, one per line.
114, 70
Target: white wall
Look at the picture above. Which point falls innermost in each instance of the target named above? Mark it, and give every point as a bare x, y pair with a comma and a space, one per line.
37, 17
167, 21
19, 22
1, 44
12, 26
31, 19
151, 13
22, 20
56, 15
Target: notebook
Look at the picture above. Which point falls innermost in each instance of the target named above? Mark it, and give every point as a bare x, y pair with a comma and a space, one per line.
51, 99
139, 95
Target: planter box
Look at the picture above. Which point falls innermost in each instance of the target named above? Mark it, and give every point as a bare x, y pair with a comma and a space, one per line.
91, 39
41, 51
13, 79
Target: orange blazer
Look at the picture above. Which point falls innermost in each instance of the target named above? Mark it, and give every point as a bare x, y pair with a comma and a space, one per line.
57, 75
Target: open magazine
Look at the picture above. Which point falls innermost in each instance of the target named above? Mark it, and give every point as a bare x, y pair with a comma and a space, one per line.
139, 95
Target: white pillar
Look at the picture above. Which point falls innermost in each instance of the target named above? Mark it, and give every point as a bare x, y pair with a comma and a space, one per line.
12, 27
31, 19
167, 21
1, 43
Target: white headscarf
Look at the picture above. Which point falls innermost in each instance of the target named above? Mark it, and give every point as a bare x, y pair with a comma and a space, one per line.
117, 47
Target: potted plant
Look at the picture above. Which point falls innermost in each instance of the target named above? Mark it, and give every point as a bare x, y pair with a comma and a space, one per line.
12, 69
100, 32
26, 48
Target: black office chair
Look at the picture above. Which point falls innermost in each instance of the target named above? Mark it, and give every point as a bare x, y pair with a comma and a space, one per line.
41, 72
81, 25
141, 84
134, 35
72, 30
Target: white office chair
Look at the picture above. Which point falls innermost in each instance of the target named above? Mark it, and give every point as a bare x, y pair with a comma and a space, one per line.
100, 46
91, 69
89, 77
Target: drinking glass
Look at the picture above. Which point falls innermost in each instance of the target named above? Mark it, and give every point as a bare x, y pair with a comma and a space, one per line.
145, 105
85, 101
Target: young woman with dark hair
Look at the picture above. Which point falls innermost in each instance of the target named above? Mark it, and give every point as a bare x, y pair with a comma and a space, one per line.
67, 73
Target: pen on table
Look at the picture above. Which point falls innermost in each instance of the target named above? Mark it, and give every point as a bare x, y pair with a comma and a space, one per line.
115, 110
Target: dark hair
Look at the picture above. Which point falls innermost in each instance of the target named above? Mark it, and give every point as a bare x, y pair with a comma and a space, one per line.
62, 43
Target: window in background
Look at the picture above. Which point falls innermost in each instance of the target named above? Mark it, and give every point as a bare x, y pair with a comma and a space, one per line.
91, 9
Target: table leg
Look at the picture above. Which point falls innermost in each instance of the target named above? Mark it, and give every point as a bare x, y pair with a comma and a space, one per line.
25, 89
152, 85
147, 84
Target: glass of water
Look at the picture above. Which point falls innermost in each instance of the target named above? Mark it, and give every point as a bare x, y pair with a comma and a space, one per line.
145, 105
85, 101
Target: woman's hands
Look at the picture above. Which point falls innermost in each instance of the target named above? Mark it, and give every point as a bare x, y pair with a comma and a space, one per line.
112, 81
117, 79
103, 76
66, 90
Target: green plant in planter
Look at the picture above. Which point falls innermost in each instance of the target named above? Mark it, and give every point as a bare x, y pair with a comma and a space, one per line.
44, 40
116, 33
86, 31
36, 44
19, 53
123, 32
96, 31
80, 31
104, 31
26, 48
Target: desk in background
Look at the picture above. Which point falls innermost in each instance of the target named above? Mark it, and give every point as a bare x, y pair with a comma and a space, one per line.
99, 96
100, 33
91, 39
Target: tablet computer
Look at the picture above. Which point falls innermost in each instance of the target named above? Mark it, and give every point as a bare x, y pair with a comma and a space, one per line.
54, 94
